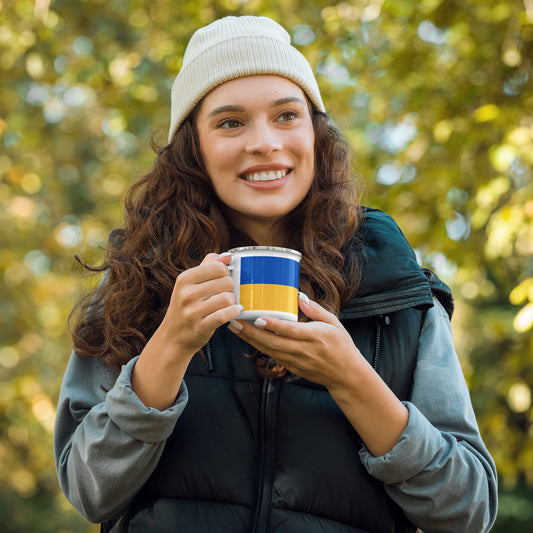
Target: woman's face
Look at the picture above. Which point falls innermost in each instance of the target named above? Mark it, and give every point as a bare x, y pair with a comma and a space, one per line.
257, 143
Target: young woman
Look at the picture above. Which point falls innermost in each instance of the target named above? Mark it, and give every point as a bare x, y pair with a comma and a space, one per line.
175, 416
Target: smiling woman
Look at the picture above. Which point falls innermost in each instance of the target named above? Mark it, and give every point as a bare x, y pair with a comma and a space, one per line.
176, 416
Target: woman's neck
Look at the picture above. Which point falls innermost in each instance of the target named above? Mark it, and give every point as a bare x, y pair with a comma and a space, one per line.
267, 238
263, 233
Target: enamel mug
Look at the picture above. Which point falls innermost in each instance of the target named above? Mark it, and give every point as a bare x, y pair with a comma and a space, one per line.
266, 281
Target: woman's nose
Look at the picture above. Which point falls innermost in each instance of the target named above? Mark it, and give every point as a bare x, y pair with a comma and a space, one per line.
263, 139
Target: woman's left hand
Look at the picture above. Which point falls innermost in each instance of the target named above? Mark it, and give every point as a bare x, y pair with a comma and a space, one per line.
321, 351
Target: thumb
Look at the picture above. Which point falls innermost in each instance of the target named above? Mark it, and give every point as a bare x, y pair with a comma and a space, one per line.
315, 311
223, 258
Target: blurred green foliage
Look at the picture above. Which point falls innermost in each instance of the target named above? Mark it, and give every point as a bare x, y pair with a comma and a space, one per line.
436, 99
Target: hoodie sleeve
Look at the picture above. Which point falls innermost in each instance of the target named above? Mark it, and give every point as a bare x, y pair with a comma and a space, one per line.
106, 441
440, 472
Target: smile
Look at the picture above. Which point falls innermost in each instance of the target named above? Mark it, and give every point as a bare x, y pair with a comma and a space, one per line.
271, 175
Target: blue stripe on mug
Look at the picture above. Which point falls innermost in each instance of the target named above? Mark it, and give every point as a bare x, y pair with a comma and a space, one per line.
271, 270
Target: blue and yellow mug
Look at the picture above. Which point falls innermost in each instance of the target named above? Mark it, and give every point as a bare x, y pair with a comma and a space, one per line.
266, 281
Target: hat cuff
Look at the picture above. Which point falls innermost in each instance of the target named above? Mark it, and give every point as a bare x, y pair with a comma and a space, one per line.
236, 58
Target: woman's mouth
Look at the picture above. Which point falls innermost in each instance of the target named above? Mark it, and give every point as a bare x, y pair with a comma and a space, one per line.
271, 175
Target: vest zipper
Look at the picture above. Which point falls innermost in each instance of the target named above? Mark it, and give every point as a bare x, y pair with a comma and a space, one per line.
375, 359
377, 346
266, 458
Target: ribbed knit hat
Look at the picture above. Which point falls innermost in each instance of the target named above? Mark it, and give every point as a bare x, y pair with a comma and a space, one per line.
234, 47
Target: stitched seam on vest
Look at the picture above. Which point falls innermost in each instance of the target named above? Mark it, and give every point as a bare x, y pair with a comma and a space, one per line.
306, 385
296, 382
414, 291
200, 500
386, 305
314, 515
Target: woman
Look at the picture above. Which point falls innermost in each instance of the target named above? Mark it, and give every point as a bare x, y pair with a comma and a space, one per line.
175, 416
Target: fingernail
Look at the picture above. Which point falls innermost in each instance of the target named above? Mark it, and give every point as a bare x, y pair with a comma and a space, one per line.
241, 308
234, 326
225, 254
303, 297
259, 322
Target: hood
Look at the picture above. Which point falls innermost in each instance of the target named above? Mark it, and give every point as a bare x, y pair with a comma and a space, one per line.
391, 278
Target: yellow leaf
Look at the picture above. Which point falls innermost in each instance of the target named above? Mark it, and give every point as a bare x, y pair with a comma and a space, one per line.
522, 292
519, 397
524, 319
502, 156
486, 113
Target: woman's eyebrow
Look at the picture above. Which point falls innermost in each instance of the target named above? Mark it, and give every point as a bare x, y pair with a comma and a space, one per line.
229, 108
232, 108
287, 100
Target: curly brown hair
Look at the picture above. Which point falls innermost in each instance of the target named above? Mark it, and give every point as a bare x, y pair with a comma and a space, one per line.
173, 218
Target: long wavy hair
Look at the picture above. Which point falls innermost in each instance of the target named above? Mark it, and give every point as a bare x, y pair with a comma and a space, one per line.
173, 218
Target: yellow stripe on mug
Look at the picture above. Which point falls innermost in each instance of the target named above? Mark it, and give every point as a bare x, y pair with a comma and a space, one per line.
269, 297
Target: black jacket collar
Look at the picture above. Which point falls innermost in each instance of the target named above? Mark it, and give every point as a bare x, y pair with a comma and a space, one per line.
391, 278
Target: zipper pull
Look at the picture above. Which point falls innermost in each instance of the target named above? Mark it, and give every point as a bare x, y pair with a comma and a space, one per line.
210, 365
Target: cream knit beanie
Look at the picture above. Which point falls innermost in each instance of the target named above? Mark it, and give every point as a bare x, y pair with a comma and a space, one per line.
234, 47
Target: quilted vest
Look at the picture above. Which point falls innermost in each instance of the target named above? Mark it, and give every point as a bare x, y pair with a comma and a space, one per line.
250, 455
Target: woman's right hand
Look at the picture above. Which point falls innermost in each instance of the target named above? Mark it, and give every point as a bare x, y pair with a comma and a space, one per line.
201, 301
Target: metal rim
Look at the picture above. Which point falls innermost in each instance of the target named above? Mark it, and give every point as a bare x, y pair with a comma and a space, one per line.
269, 248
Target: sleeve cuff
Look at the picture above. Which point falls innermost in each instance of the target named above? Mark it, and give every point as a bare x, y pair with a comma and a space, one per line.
143, 423
417, 446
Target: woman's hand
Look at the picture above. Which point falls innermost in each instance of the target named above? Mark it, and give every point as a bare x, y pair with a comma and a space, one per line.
323, 351
201, 301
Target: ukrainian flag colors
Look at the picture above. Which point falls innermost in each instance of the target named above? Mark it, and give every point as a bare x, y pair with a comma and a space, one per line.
269, 283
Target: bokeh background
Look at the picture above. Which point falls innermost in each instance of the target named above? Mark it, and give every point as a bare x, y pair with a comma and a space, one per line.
436, 98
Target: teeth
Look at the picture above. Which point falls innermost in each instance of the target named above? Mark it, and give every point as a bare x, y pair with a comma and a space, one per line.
266, 176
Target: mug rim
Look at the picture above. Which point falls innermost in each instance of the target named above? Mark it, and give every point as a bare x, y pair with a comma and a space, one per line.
270, 248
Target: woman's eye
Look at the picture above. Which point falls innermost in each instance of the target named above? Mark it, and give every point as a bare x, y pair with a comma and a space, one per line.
229, 123
287, 116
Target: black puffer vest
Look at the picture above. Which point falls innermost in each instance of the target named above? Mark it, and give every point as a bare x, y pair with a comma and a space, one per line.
253, 456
